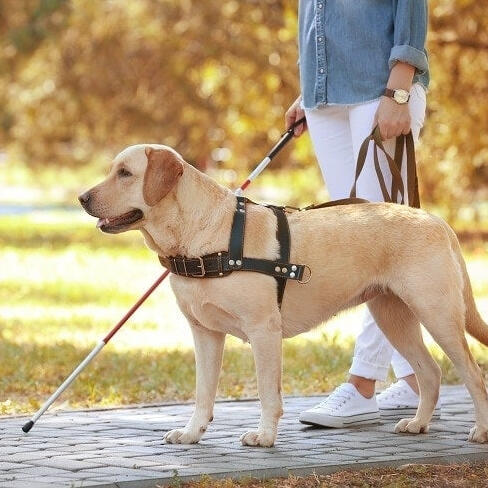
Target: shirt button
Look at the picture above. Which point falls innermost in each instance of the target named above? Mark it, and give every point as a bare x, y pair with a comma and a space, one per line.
319, 5
321, 70
320, 39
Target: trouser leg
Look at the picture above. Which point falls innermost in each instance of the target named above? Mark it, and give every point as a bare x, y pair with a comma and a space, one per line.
373, 351
331, 138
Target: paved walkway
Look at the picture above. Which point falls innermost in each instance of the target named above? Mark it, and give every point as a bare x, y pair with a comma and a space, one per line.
123, 447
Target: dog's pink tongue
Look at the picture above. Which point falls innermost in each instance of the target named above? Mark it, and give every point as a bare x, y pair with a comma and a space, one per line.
102, 222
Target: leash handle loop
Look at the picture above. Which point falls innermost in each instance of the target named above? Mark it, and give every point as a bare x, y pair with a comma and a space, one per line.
394, 164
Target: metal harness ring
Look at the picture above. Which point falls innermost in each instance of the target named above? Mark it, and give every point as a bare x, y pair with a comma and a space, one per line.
302, 282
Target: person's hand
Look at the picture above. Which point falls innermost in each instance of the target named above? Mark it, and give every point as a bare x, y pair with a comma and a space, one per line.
392, 118
294, 113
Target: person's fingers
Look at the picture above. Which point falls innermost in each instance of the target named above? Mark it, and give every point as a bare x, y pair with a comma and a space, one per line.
300, 128
398, 129
407, 126
290, 117
383, 130
375, 120
395, 130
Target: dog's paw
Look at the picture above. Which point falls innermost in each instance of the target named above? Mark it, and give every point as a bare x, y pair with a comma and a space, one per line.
181, 436
478, 434
411, 426
259, 438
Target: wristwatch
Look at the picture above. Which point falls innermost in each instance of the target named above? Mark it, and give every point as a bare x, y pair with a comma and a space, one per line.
400, 96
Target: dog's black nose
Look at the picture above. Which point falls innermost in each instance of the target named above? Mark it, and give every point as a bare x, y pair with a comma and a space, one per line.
84, 199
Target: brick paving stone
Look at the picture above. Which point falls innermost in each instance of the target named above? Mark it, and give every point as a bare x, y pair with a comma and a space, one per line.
6, 466
362, 454
133, 463
26, 456
325, 458
47, 471
63, 463
33, 484
123, 448
117, 471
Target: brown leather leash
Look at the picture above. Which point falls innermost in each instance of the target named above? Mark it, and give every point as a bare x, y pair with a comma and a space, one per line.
395, 166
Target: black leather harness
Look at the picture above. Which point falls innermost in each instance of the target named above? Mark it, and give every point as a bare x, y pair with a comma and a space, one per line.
223, 263
220, 264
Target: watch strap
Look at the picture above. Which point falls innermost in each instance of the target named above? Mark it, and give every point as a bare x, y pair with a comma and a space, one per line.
391, 94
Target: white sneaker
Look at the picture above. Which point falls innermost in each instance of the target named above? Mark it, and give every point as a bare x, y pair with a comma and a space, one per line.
344, 407
400, 400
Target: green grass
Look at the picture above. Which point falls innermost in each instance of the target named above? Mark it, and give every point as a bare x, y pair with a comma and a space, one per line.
63, 286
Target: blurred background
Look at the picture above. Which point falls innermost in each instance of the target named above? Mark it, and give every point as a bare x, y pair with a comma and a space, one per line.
82, 79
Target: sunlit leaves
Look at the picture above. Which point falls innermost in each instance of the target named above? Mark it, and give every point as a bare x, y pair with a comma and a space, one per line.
84, 78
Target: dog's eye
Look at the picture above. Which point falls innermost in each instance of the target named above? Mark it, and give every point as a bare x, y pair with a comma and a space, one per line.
123, 173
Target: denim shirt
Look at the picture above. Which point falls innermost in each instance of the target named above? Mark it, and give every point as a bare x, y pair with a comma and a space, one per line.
348, 47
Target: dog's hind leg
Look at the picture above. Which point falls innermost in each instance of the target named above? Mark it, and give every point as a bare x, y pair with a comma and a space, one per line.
209, 347
446, 327
436, 287
266, 344
458, 352
402, 329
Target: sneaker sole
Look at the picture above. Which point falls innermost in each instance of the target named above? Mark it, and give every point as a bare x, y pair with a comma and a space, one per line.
397, 413
340, 422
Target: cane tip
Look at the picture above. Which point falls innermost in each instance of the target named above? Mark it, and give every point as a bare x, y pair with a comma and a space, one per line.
28, 426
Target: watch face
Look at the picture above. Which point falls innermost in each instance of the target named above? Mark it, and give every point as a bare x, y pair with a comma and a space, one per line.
401, 96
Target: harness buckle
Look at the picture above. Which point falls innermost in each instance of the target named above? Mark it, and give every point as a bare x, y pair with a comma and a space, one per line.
175, 264
202, 268
219, 264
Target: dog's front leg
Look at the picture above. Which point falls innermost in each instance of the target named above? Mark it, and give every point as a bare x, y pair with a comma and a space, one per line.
267, 350
209, 347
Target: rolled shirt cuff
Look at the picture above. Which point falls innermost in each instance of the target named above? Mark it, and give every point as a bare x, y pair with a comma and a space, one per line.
410, 55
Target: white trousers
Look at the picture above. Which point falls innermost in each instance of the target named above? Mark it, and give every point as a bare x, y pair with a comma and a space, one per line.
337, 132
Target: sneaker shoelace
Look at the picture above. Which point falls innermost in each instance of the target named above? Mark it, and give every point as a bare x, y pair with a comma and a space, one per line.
395, 390
336, 399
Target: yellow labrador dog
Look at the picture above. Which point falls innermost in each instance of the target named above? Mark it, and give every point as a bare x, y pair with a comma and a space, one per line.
405, 263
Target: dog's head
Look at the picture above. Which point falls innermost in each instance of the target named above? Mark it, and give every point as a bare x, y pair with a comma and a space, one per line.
140, 177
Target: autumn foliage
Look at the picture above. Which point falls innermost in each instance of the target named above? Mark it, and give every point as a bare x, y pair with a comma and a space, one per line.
80, 79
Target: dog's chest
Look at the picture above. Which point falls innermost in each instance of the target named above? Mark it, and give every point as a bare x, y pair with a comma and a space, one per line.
205, 304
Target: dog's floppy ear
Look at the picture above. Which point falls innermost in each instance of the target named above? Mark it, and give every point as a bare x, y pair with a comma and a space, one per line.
162, 172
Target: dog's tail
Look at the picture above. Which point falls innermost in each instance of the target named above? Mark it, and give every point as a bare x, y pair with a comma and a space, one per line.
475, 325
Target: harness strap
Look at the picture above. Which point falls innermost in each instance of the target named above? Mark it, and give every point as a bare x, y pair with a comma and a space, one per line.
283, 236
236, 243
216, 265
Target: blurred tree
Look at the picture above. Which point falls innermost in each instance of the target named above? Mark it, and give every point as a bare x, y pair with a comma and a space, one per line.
81, 79
23, 28
195, 75
454, 152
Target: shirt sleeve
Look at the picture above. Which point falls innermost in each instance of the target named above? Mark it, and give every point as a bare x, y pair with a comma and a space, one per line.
410, 31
